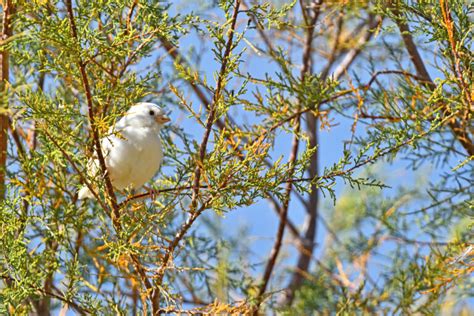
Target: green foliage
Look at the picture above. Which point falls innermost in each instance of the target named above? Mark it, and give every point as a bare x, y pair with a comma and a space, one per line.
256, 80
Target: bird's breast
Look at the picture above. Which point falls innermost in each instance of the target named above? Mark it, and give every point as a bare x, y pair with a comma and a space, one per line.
135, 158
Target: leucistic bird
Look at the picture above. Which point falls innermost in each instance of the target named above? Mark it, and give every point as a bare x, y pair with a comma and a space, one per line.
132, 152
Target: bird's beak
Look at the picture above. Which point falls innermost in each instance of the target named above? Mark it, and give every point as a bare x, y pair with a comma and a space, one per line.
161, 119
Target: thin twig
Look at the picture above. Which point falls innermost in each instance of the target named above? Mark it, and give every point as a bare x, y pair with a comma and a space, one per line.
291, 226
373, 23
81, 310
130, 14
76, 169
157, 192
369, 160
335, 49
261, 32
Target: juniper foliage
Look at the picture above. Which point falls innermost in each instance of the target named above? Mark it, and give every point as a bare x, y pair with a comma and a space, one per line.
255, 89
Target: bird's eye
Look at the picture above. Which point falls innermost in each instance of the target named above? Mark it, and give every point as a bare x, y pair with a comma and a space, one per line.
151, 112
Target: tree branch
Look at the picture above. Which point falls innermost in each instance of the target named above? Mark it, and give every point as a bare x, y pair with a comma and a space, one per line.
7, 9
81, 310
95, 132
461, 134
76, 169
202, 152
112, 199
335, 49
281, 227
373, 23
177, 57
307, 247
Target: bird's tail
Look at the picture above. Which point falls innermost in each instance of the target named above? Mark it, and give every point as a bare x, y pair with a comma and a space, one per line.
84, 193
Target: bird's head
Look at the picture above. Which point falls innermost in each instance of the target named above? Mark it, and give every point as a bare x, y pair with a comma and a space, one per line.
145, 114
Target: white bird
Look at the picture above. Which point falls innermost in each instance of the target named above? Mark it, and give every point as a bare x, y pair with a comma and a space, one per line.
132, 152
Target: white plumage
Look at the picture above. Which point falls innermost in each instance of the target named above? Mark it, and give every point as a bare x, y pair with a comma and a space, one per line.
133, 152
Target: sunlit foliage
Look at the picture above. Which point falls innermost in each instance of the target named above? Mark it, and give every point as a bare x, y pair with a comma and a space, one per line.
252, 87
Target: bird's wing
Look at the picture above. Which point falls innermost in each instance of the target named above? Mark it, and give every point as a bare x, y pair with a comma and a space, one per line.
119, 125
